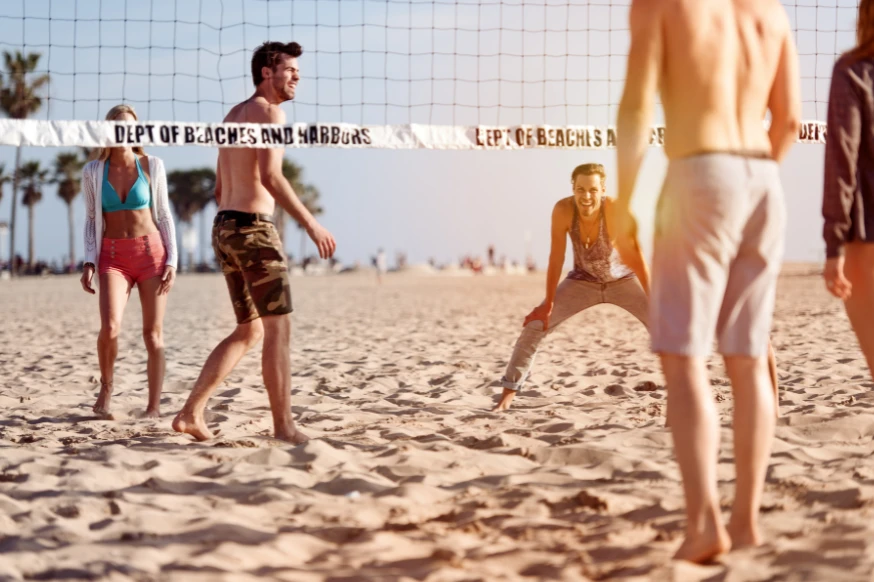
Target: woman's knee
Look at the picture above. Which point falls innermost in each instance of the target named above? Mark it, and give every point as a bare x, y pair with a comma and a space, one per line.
154, 338
109, 330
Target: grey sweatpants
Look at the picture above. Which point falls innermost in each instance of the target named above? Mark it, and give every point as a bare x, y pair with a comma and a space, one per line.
572, 297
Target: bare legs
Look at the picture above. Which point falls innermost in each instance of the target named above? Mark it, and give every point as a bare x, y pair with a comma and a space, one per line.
114, 292
506, 399
694, 424
754, 423
859, 270
772, 373
218, 365
154, 306
275, 367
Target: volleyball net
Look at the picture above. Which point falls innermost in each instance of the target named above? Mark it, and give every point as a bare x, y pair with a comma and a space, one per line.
441, 74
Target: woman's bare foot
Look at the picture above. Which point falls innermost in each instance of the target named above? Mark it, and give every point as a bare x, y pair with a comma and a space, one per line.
744, 536
704, 547
152, 413
192, 424
293, 436
101, 407
506, 398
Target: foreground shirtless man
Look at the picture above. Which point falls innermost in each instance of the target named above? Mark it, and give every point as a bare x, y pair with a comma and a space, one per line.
247, 246
719, 65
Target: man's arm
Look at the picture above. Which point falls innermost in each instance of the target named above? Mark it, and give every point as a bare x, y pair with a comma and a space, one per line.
270, 169
638, 98
218, 181
845, 125
841, 159
557, 250
633, 255
784, 101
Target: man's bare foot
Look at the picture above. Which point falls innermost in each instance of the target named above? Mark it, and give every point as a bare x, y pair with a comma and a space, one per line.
194, 425
152, 413
101, 407
506, 398
293, 436
704, 547
746, 536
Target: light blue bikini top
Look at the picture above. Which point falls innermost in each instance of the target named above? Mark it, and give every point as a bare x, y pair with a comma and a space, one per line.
139, 197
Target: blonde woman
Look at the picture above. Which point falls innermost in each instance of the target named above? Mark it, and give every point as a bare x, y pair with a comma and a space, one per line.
848, 193
129, 240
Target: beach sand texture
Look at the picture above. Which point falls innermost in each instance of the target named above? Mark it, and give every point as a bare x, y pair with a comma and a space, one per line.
411, 477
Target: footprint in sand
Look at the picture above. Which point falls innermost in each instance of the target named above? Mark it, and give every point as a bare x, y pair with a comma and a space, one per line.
615, 390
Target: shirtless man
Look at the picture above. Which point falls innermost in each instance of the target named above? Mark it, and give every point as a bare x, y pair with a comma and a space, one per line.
598, 276
249, 182
719, 65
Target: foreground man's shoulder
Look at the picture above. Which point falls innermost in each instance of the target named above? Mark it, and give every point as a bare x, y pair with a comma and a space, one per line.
648, 8
639, 5
772, 13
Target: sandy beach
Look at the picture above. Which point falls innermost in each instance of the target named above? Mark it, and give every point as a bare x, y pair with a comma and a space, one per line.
411, 477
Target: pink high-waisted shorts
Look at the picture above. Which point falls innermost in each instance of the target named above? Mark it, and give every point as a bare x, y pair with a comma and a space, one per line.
135, 259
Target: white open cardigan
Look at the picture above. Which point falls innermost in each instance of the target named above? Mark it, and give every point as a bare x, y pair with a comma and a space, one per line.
92, 180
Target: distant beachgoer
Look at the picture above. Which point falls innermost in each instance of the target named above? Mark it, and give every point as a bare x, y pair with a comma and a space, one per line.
381, 264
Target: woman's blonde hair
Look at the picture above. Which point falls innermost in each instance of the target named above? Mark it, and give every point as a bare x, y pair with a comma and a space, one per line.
102, 154
864, 31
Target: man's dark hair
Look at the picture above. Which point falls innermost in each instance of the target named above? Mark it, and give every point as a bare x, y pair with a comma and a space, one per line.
589, 170
267, 55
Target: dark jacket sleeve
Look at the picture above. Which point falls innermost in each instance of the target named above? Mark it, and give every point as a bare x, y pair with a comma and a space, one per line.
841, 158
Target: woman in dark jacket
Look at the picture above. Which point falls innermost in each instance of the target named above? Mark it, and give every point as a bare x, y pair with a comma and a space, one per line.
848, 193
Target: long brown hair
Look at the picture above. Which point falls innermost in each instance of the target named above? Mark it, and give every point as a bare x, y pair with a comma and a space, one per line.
864, 31
102, 154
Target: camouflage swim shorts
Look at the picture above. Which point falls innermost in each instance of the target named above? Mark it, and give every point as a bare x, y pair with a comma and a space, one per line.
249, 251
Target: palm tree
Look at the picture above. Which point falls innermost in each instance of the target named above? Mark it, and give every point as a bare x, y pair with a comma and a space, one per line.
31, 178
68, 177
5, 178
19, 98
190, 191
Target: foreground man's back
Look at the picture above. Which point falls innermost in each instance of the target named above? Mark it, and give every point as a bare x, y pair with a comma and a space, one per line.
721, 66
722, 70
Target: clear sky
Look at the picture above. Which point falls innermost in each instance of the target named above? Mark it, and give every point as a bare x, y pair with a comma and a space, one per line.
429, 61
